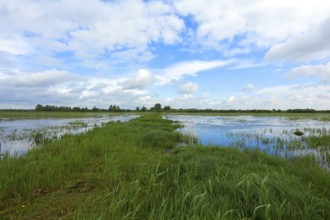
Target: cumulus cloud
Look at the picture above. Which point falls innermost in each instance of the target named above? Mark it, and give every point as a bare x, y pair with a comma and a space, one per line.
50, 86
97, 38
188, 88
102, 92
321, 71
117, 30
242, 27
78, 29
142, 80
63, 88
309, 46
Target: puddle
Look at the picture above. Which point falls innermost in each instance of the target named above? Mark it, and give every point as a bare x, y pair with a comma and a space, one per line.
18, 136
274, 135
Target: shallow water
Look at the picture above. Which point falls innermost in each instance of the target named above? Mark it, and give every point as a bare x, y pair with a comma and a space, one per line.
20, 135
274, 135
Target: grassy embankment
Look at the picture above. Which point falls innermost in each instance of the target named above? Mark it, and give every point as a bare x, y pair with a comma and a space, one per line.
133, 171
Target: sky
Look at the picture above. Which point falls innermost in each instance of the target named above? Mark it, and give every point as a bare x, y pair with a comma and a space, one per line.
219, 54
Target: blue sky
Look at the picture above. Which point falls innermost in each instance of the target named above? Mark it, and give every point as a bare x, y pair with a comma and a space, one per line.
220, 54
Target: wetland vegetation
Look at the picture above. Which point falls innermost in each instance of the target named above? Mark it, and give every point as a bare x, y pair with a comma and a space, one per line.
140, 169
276, 135
19, 134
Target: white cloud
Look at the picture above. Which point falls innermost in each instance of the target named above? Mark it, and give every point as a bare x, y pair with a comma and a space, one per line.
248, 88
321, 71
116, 29
188, 68
294, 96
188, 88
309, 46
89, 31
231, 99
89, 94
52, 42
279, 97
66, 88
14, 46
3, 76
39, 79
282, 97
241, 26
142, 80
56, 87
102, 92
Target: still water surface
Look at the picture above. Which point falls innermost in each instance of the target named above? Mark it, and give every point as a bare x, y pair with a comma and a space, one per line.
19, 135
274, 135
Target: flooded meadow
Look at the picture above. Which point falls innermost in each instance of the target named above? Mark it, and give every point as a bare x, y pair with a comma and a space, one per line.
17, 136
279, 136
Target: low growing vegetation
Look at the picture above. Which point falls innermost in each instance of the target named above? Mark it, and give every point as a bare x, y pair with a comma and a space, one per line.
134, 170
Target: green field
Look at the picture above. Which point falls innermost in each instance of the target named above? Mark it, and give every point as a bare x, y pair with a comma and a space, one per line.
134, 170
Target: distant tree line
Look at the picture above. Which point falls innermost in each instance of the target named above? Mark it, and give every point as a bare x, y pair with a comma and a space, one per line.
59, 108
158, 108
112, 108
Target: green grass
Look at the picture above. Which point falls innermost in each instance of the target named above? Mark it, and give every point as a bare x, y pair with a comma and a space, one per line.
322, 141
134, 171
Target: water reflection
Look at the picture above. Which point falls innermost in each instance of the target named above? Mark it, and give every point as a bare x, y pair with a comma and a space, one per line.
18, 136
274, 135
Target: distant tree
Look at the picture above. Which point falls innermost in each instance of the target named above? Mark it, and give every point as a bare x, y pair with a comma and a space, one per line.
39, 108
157, 107
167, 108
95, 109
115, 108
137, 109
76, 109
143, 109
49, 108
307, 110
